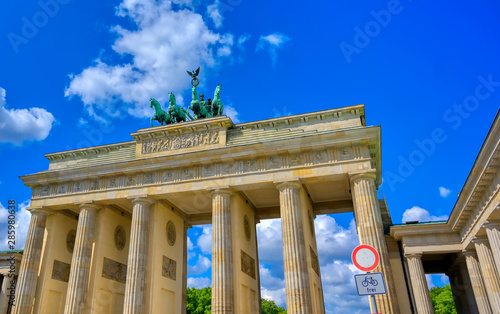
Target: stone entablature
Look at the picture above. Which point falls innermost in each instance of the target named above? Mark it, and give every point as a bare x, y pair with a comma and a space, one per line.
427, 238
200, 134
209, 157
479, 197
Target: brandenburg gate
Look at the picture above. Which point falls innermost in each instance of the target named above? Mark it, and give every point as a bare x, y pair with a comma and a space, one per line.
108, 232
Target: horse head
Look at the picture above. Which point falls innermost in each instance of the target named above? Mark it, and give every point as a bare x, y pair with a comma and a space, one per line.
171, 99
154, 103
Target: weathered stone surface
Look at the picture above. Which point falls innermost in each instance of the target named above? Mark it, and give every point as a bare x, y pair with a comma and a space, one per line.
114, 270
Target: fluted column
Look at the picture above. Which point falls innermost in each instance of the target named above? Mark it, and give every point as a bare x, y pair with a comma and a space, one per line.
477, 282
80, 262
419, 284
371, 232
184, 268
489, 272
493, 232
298, 292
222, 253
30, 263
135, 286
5, 293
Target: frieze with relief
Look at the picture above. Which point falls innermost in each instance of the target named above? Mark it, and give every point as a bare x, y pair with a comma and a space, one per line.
60, 271
180, 142
247, 264
169, 268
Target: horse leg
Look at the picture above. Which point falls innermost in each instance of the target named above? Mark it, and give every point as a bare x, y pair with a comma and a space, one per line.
152, 121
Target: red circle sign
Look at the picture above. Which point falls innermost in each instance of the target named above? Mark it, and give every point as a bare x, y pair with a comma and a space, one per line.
365, 257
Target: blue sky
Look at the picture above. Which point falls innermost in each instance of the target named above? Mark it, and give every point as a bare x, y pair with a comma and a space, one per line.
80, 73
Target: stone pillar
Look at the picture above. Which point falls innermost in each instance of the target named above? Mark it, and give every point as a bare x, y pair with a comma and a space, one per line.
184, 268
489, 272
222, 253
493, 232
477, 282
371, 232
421, 294
259, 293
298, 292
4, 294
80, 262
30, 264
135, 286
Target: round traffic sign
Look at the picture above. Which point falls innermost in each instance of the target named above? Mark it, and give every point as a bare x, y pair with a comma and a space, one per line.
365, 257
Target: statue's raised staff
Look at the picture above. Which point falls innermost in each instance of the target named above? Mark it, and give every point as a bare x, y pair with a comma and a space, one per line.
177, 114
160, 115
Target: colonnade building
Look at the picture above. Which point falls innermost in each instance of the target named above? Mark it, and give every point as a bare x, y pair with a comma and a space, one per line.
108, 231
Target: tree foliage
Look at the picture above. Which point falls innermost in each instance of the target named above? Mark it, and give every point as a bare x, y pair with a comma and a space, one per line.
442, 300
199, 301
269, 307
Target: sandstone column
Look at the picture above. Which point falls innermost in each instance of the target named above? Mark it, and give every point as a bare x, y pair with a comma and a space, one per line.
419, 284
184, 268
135, 287
371, 232
477, 282
80, 262
222, 254
489, 272
5, 293
493, 232
30, 264
298, 292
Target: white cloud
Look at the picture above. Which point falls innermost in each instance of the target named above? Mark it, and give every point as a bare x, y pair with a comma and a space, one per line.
444, 192
271, 43
205, 240
241, 40
202, 265
231, 113
270, 241
213, 12
189, 244
430, 284
334, 242
278, 296
23, 218
419, 214
165, 43
19, 125
268, 281
198, 282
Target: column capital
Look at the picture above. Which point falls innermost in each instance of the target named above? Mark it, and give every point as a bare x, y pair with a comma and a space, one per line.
145, 199
414, 255
492, 224
89, 206
295, 184
223, 190
40, 210
362, 175
469, 252
480, 240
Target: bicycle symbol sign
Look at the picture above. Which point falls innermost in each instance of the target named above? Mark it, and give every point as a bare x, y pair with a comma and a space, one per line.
369, 284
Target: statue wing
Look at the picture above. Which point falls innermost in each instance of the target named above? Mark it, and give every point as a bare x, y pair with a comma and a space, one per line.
190, 73
197, 72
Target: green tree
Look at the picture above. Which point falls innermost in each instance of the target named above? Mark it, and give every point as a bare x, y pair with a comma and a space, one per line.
442, 300
199, 301
269, 307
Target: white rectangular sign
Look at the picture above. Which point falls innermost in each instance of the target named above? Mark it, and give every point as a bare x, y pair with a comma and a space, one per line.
370, 283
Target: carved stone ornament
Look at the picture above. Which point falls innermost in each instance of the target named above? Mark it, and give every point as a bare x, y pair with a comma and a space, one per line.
171, 235
114, 270
314, 261
180, 142
246, 226
247, 264
169, 268
70, 240
60, 271
120, 238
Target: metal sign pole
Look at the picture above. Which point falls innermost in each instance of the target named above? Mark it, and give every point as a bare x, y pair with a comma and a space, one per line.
372, 301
